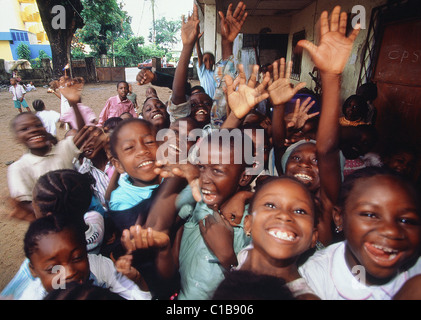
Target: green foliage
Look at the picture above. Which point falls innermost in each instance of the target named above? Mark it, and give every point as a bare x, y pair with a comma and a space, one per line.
105, 22
166, 33
23, 51
36, 63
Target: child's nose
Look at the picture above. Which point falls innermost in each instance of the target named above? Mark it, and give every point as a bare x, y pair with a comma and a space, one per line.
284, 215
391, 230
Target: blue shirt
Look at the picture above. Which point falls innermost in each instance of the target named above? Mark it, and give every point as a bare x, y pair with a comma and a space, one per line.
200, 270
127, 195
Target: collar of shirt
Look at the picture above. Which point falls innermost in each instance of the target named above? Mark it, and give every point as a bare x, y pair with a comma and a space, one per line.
350, 288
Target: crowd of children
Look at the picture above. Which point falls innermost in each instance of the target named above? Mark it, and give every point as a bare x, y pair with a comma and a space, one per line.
231, 202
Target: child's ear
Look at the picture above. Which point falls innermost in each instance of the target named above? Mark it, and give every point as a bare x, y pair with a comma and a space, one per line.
245, 179
32, 270
337, 218
315, 237
118, 166
248, 222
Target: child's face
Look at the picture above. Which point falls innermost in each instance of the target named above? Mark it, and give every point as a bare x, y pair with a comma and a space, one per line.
201, 105
283, 220
381, 225
155, 112
218, 182
302, 164
401, 162
136, 150
208, 61
353, 111
57, 253
30, 132
13, 82
123, 90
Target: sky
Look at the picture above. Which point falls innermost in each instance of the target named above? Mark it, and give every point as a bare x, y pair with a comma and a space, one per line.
141, 13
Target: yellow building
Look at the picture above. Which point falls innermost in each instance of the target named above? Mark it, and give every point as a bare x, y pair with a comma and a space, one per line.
23, 16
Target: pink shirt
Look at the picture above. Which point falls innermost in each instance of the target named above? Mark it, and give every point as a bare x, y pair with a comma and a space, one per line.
87, 113
115, 108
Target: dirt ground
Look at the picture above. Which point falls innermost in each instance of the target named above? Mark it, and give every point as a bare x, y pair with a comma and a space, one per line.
12, 230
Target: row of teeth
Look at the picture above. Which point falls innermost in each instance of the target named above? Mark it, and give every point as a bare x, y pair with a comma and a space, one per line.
206, 191
37, 137
201, 112
157, 115
385, 249
303, 176
145, 164
282, 235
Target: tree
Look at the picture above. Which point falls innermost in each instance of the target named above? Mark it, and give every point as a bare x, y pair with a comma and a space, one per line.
23, 51
105, 22
60, 19
166, 33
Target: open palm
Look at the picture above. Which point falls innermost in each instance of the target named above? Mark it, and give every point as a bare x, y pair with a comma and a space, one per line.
335, 47
281, 90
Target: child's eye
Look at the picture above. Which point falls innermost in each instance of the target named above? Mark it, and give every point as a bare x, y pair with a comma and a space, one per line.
128, 148
270, 205
314, 160
300, 211
296, 158
217, 171
369, 215
410, 221
201, 167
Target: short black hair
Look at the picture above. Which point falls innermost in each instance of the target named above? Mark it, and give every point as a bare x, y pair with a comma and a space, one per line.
122, 81
368, 172
83, 291
248, 285
44, 226
64, 192
38, 105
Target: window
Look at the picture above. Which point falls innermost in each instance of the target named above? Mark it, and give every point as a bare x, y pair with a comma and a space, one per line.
296, 57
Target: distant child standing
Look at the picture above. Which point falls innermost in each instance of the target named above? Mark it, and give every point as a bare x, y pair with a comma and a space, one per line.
117, 105
18, 95
205, 72
49, 118
132, 97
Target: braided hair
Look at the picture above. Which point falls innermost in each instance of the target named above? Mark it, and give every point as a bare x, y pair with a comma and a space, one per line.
64, 192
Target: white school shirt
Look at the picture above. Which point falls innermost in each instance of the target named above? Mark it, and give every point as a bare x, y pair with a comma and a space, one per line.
17, 91
329, 276
49, 118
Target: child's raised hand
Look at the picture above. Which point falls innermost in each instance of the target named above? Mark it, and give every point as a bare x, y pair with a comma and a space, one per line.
145, 76
137, 238
187, 171
242, 100
72, 92
190, 28
231, 23
300, 115
335, 47
281, 90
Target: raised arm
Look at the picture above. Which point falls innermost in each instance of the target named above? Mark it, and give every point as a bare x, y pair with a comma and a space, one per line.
231, 25
330, 57
280, 91
189, 34
199, 51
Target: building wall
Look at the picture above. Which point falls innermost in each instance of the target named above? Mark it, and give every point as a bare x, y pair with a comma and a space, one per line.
5, 51
307, 20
